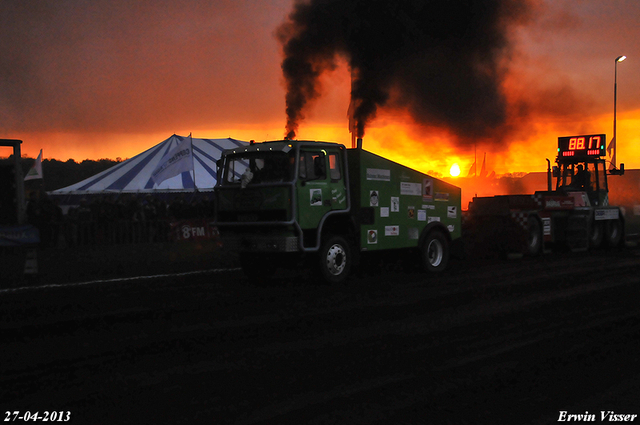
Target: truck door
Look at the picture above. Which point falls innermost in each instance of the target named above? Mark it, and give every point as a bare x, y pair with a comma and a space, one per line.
321, 185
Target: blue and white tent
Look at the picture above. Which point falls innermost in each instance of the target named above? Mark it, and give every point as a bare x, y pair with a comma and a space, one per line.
134, 174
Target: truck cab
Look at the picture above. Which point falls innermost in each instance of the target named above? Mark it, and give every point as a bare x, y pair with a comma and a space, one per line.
589, 177
279, 197
581, 174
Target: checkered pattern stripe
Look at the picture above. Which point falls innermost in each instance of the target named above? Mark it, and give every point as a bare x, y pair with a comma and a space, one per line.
538, 199
521, 218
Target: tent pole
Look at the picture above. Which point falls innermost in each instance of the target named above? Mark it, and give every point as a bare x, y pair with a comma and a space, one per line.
193, 165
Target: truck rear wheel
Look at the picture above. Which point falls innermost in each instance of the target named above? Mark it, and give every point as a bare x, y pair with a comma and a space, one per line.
434, 252
613, 232
335, 259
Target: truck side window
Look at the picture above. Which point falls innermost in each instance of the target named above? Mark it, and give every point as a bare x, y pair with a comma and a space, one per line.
334, 167
581, 178
312, 166
599, 177
319, 167
232, 176
302, 172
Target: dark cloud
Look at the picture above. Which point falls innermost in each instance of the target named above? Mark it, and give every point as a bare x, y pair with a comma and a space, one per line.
441, 60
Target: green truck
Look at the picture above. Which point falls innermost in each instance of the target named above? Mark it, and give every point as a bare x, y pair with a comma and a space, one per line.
281, 200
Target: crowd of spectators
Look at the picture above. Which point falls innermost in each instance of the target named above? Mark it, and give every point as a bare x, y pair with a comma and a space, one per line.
113, 219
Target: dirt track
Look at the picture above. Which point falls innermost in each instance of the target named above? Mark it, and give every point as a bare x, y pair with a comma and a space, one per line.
512, 342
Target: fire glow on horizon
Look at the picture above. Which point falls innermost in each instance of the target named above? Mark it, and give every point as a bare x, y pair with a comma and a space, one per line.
107, 79
403, 143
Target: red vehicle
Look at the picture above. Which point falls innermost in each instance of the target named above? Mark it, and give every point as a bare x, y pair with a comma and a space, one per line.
574, 214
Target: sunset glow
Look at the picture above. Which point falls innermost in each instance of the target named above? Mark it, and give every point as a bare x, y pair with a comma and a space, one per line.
111, 85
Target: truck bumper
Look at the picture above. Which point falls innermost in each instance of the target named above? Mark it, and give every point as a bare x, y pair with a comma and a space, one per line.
258, 243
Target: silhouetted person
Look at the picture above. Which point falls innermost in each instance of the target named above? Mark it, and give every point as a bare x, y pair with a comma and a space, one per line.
581, 179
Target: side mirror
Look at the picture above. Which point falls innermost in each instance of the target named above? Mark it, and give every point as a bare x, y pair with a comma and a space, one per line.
219, 166
617, 171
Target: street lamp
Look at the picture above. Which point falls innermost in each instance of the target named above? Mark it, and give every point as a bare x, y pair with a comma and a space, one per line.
615, 101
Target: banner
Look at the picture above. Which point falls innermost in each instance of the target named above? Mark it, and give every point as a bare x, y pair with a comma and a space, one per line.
176, 161
19, 235
193, 230
35, 172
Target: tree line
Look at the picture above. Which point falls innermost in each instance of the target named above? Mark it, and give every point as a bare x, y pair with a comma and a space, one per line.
58, 174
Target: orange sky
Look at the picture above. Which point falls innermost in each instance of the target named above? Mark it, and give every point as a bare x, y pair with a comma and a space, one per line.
108, 79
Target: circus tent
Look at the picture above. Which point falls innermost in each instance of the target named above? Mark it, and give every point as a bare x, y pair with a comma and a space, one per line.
134, 174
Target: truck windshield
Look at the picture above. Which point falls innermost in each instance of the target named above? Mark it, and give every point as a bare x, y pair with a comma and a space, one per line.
250, 168
581, 177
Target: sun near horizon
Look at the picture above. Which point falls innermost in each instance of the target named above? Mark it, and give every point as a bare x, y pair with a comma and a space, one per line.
454, 170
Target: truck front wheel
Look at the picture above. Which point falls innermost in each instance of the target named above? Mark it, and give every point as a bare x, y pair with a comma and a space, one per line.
335, 259
434, 252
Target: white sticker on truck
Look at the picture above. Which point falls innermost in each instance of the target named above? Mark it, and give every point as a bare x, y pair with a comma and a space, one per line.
391, 230
315, 197
607, 214
378, 175
374, 199
395, 204
546, 226
414, 189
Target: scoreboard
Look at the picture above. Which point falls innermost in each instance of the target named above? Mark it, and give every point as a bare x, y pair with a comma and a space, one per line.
581, 148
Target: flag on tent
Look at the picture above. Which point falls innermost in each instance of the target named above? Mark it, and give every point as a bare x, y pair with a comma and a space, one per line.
35, 172
174, 162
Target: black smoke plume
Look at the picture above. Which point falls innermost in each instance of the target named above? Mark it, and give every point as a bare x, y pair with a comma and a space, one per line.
442, 60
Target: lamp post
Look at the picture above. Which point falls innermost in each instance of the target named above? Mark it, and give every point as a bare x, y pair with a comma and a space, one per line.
615, 101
